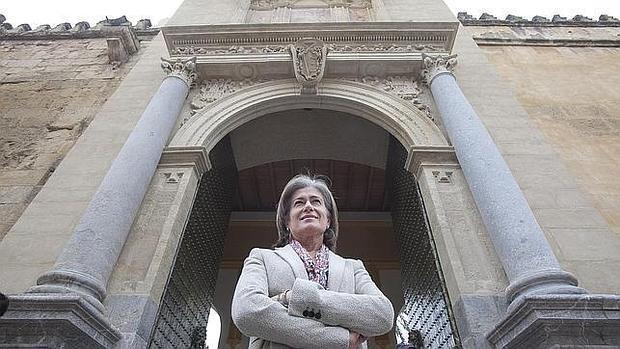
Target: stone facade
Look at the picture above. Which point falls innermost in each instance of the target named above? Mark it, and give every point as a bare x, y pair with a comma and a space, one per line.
513, 156
577, 111
52, 83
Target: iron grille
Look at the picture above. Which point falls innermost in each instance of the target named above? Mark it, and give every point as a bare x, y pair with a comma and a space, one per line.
184, 309
426, 307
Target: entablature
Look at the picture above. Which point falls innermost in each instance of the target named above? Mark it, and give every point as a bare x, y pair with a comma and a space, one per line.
251, 51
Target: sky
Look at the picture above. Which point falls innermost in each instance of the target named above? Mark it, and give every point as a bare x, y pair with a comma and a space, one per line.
36, 12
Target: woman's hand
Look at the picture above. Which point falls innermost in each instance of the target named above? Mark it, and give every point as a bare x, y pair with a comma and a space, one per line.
355, 339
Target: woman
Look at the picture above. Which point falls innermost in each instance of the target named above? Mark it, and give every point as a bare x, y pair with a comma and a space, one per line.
302, 294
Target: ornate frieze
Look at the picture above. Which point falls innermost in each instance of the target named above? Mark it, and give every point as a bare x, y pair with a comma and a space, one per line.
382, 47
263, 5
184, 69
309, 57
335, 48
191, 50
404, 87
434, 66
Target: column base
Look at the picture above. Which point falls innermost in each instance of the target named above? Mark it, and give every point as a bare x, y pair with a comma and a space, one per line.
56, 321
560, 321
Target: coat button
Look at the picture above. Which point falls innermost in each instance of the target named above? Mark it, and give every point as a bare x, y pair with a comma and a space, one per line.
305, 313
311, 313
317, 315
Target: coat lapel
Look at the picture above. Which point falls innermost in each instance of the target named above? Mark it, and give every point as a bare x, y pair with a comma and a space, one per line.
336, 271
290, 256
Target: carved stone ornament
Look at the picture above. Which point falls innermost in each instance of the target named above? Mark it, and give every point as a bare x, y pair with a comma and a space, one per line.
261, 5
309, 56
434, 66
235, 49
404, 87
212, 90
382, 47
185, 69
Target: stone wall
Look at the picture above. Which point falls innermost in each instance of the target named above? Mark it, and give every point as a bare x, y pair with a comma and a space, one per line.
52, 83
566, 77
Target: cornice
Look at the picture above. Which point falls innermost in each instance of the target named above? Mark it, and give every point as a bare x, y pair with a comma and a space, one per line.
251, 50
211, 37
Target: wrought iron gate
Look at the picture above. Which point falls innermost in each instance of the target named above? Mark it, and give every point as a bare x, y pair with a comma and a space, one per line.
427, 307
182, 317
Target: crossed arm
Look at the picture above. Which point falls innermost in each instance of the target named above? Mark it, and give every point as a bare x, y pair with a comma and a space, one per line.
367, 312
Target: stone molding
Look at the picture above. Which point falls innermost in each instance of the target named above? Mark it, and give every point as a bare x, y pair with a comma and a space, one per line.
195, 157
184, 69
436, 156
309, 56
39, 318
251, 38
437, 65
399, 117
549, 321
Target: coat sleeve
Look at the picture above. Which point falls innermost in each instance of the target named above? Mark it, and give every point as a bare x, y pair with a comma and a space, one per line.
367, 312
257, 315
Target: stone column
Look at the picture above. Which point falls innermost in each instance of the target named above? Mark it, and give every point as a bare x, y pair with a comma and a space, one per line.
524, 252
88, 259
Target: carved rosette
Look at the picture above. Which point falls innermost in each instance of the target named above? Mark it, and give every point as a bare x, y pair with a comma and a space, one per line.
309, 56
184, 69
434, 66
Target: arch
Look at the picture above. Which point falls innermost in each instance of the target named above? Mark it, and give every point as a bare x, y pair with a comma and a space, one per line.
395, 115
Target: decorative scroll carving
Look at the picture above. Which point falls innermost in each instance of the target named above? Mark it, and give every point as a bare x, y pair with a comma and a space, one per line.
338, 48
309, 56
382, 48
185, 69
262, 5
404, 87
212, 90
191, 50
434, 66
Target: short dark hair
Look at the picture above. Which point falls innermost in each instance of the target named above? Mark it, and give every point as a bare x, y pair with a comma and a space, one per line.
300, 181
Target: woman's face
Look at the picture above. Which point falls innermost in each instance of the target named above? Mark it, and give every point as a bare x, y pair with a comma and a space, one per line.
308, 215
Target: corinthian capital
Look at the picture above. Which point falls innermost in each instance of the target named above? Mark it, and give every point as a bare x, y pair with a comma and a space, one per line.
434, 66
184, 69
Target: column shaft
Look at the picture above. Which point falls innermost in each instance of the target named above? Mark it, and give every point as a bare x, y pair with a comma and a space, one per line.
521, 245
88, 259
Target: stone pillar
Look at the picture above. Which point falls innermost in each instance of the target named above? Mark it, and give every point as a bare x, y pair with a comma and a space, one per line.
546, 308
87, 261
525, 254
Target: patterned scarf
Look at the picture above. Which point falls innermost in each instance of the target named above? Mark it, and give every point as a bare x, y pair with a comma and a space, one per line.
318, 267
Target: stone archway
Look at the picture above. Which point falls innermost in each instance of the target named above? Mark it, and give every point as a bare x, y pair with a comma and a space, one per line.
422, 142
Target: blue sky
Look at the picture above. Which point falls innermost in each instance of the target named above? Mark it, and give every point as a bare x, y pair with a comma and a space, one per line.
37, 12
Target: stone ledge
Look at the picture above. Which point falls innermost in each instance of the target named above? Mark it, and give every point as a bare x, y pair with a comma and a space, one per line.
54, 320
552, 321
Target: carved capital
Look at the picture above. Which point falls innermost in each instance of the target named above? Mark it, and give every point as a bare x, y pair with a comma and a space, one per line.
434, 66
184, 69
309, 56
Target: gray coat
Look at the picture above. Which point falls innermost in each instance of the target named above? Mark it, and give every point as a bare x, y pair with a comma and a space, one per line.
315, 318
